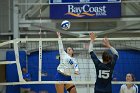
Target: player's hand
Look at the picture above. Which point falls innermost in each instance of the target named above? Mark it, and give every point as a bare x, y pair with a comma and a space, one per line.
92, 36
106, 42
58, 34
76, 72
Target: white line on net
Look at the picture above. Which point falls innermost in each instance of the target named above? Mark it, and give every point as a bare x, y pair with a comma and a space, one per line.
65, 82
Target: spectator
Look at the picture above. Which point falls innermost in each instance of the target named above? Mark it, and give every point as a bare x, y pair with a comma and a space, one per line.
27, 77
129, 88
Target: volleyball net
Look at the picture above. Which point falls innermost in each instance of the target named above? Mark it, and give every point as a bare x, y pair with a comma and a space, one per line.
41, 59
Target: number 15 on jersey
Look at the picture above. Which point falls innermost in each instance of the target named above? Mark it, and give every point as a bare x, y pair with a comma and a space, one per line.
104, 74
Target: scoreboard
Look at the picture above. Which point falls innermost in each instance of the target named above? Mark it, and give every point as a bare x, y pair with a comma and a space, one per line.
82, 1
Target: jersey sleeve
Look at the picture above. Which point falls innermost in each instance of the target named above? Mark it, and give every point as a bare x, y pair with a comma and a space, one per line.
115, 55
74, 64
121, 89
61, 48
90, 47
96, 61
93, 55
114, 52
136, 91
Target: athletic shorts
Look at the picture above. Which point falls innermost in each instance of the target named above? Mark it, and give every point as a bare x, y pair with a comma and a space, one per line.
61, 77
101, 92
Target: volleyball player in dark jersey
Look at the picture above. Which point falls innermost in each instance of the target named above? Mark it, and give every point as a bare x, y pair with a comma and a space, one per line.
104, 70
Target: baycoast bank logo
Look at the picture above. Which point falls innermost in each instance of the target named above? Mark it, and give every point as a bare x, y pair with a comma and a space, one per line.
86, 10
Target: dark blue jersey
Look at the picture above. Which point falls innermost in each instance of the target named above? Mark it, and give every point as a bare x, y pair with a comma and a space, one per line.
26, 77
104, 73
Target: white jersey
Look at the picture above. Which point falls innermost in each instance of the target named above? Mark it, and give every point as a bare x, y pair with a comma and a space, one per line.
133, 89
66, 62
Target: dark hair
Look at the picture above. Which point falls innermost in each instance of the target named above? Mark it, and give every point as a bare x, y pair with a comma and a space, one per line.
66, 52
107, 57
72, 49
132, 75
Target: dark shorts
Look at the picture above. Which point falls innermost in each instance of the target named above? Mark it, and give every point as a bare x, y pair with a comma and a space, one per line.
61, 77
101, 92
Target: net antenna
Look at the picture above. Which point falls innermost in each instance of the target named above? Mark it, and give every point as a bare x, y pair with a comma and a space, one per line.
40, 15
40, 44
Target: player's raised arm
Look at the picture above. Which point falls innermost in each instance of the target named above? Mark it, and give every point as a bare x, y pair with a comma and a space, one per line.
61, 48
92, 39
107, 44
93, 55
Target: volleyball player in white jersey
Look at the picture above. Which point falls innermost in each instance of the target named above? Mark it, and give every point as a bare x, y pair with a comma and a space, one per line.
67, 62
129, 88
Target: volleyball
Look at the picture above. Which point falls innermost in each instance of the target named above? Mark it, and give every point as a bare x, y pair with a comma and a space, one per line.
65, 25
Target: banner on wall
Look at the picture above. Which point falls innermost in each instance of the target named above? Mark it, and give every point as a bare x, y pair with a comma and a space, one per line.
71, 1
89, 10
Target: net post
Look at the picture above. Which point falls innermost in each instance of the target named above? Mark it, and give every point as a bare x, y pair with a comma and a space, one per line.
16, 41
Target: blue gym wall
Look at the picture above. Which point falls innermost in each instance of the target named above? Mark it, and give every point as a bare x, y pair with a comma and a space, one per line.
129, 62
11, 70
49, 65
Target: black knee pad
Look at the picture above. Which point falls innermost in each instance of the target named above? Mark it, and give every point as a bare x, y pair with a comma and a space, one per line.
69, 89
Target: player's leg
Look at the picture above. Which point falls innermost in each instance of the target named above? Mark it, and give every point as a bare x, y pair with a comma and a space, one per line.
70, 88
59, 88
